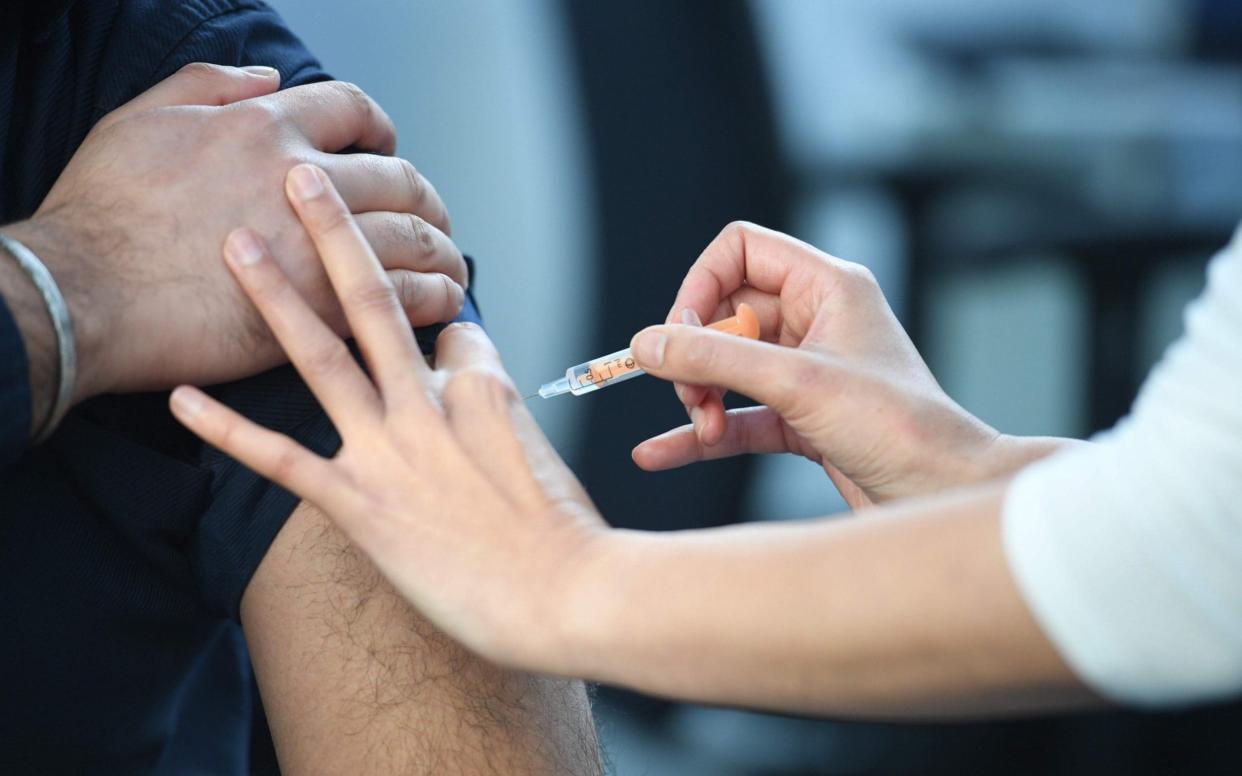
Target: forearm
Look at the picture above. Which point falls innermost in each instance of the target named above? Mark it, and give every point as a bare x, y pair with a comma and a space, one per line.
908, 613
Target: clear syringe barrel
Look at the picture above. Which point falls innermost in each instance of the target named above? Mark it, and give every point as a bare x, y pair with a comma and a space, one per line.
605, 370
621, 366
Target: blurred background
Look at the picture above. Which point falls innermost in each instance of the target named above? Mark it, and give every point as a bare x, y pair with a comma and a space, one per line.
1036, 183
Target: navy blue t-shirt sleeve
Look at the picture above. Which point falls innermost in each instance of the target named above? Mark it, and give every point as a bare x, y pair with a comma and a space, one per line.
245, 512
14, 387
242, 512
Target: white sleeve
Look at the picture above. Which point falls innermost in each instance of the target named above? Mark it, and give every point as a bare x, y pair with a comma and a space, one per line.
1129, 551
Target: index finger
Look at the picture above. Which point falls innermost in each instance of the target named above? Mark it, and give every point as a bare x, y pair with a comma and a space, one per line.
742, 255
375, 316
491, 422
336, 115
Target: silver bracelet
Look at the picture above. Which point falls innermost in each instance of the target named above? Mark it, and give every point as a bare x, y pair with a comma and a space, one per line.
61, 322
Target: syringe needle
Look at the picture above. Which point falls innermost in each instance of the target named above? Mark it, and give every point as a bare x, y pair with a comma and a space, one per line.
531, 396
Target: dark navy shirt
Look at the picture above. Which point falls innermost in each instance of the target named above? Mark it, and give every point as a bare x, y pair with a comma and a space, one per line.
125, 544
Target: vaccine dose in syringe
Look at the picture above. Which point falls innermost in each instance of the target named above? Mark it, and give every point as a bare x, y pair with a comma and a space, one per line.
620, 366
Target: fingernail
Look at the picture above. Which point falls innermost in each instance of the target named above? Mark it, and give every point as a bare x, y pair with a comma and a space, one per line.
648, 347
696, 417
456, 293
187, 401
243, 249
690, 317
263, 71
305, 182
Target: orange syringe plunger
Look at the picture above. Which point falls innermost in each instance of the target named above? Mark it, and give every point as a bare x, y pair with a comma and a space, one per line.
617, 367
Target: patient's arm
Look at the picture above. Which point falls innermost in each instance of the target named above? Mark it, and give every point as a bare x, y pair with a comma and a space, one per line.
354, 681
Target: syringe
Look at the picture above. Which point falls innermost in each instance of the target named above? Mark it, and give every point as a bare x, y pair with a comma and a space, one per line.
621, 366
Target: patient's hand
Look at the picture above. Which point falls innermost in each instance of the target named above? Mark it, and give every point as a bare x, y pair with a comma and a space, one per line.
443, 478
132, 228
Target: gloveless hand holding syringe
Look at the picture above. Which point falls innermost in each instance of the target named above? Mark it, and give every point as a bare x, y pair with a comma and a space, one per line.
449, 487
620, 366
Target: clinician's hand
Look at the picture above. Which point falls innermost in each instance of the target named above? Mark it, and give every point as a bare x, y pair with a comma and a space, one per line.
445, 482
132, 228
842, 383
443, 478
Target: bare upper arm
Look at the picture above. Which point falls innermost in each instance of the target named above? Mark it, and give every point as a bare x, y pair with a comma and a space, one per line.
355, 681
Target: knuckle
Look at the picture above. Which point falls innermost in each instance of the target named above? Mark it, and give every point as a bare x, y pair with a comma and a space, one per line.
328, 358
226, 431
284, 462
409, 291
476, 384
328, 215
385, 233
811, 373
254, 117
702, 358
413, 179
226, 435
268, 288
420, 234
807, 372
737, 230
859, 276
358, 100
203, 70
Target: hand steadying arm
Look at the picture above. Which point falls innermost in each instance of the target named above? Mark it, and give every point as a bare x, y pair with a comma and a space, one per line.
124, 233
445, 482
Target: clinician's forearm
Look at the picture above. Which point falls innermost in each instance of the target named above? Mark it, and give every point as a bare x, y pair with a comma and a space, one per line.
909, 613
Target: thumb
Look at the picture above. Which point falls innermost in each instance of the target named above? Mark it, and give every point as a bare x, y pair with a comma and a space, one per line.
201, 83
774, 375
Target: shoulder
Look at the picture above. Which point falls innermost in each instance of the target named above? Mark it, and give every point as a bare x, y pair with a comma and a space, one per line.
151, 40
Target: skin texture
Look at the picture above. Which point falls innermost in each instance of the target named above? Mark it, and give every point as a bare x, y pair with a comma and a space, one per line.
445, 482
838, 379
354, 681
131, 229
910, 613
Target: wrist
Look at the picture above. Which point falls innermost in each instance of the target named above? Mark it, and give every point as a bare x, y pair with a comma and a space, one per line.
34, 324
1007, 454
57, 247
589, 606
